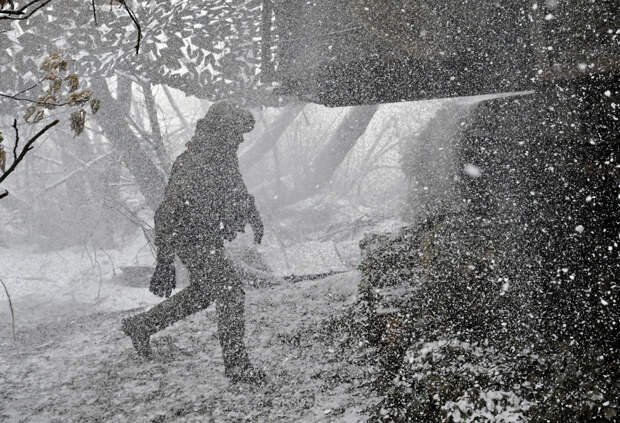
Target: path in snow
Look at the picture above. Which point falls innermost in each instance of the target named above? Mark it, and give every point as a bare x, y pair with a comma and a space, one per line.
82, 369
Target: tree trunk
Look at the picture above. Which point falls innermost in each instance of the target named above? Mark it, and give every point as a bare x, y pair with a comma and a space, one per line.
156, 137
430, 163
111, 117
329, 158
269, 138
186, 127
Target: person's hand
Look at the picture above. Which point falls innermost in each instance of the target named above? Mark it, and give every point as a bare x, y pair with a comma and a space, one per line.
255, 221
258, 229
163, 280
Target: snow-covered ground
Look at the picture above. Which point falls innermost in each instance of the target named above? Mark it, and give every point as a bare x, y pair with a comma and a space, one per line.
71, 363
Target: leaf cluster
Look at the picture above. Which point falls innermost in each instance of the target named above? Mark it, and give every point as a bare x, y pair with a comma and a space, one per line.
62, 89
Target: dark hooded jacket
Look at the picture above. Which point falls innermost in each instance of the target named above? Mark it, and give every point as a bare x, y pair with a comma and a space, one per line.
206, 200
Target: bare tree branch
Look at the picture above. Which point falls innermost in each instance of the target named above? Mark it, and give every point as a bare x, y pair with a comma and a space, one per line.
27, 147
92, 2
27, 89
74, 172
175, 107
47, 159
135, 21
6, 291
16, 140
22, 13
158, 142
30, 100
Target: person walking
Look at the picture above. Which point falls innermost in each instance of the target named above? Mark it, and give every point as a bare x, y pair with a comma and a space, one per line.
206, 202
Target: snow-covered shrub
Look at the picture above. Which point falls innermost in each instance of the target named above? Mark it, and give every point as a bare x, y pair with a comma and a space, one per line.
448, 380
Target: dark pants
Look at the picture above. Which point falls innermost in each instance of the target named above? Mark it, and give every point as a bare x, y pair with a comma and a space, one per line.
212, 278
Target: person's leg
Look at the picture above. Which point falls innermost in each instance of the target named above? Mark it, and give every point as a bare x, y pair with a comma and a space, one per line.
231, 324
188, 301
230, 304
141, 326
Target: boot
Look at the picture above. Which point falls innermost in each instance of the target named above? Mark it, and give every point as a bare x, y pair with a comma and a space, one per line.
140, 336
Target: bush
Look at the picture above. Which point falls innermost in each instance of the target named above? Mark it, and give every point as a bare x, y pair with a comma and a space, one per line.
458, 331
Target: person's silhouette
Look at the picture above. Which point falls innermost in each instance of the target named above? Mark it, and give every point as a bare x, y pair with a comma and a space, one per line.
206, 202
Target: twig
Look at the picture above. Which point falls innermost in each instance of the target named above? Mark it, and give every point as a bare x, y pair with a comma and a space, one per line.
6, 291
74, 172
135, 21
94, 11
175, 107
14, 96
93, 262
20, 14
128, 214
109, 258
145, 135
30, 100
27, 89
158, 143
16, 140
47, 159
27, 147
293, 278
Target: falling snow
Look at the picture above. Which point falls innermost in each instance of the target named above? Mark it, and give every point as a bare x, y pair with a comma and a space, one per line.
309, 211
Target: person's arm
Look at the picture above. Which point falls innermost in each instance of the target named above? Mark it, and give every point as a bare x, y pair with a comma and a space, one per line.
163, 280
166, 218
251, 214
255, 220
164, 226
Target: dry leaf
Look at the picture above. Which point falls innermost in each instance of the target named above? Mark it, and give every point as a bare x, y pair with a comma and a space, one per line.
79, 97
51, 62
78, 119
38, 116
94, 105
29, 112
5, 2
2, 159
56, 85
73, 81
47, 101
50, 76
